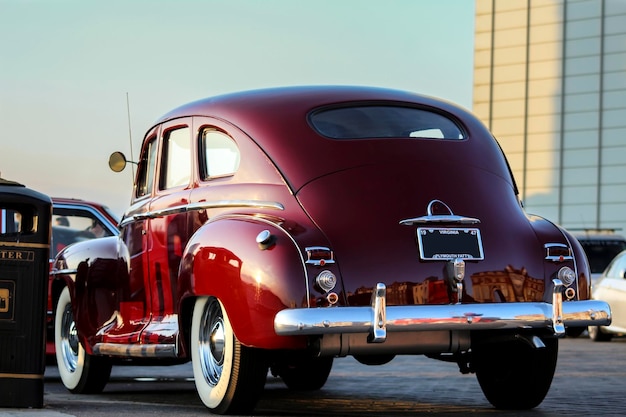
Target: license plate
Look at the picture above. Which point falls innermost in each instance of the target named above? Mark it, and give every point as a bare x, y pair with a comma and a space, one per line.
450, 243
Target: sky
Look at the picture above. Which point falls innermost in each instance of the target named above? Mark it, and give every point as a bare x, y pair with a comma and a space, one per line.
80, 79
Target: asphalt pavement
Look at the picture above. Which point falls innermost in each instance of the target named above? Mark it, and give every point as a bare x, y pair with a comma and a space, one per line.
590, 380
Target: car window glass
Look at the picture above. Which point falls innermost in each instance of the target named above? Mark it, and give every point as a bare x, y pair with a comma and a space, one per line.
601, 252
70, 225
617, 268
221, 155
145, 175
611, 269
176, 169
362, 122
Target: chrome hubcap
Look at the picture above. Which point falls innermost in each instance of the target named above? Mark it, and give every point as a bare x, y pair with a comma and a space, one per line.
211, 342
69, 340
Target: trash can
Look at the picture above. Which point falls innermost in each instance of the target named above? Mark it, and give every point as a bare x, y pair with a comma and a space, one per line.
25, 217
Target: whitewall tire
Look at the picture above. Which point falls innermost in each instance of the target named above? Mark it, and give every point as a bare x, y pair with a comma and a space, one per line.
80, 373
229, 377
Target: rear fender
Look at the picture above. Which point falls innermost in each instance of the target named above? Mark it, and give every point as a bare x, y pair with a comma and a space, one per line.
93, 271
549, 233
582, 267
253, 280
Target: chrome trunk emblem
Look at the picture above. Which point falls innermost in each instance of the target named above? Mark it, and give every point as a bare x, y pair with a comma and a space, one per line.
432, 218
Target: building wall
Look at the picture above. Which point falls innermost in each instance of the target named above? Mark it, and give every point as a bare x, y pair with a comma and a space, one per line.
550, 83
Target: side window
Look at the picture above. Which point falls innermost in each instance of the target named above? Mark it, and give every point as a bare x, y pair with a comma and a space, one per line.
72, 224
176, 169
145, 176
617, 268
220, 153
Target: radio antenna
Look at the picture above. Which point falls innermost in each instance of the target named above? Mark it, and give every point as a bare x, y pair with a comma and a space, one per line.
130, 135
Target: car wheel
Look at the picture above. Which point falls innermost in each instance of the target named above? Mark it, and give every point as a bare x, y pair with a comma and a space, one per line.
229, 377
80, 373
514, 375
304, 374
597, 335
574, 332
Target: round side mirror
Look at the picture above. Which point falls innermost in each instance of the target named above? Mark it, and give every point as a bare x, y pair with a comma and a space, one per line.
117, 162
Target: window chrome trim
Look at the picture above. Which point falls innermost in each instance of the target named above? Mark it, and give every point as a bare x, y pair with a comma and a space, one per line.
98, 215
202, 205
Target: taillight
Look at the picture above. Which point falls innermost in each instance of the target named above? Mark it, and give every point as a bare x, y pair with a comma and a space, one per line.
319, 256
558, 252
325, 281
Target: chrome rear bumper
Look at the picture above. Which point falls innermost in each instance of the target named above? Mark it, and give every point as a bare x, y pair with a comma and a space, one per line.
378, 319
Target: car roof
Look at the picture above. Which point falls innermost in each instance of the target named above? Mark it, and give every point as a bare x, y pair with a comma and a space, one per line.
597, 234
277, 120
104, 210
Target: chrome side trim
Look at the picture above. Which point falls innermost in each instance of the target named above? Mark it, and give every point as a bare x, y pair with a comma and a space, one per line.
63, 271
136, 351
203, 205
480, 316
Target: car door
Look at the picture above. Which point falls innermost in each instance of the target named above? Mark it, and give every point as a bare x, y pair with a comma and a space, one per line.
133, 297
612, 289
168, 230
217, 162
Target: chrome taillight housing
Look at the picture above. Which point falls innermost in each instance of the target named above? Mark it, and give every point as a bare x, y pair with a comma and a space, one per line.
319, 256
558, 252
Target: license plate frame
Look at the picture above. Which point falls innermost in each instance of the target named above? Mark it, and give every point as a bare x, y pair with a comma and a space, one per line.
445, 243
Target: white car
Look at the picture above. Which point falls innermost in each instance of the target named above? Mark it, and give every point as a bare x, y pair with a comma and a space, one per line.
611, 287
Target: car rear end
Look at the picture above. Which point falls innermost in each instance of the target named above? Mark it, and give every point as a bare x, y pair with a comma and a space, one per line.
427, 232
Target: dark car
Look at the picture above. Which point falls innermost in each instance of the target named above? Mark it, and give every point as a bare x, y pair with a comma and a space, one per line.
279, 229
73, 220
600, 246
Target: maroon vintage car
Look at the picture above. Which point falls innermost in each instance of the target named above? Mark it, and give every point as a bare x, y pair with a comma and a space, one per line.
279, 229
73, 220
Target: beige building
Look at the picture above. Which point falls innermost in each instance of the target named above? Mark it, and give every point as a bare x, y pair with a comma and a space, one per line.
550, 83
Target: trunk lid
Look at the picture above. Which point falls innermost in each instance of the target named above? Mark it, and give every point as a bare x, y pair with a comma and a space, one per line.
360, 210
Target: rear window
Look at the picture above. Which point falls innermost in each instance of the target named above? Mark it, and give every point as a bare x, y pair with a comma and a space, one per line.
362, 122
600, 253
